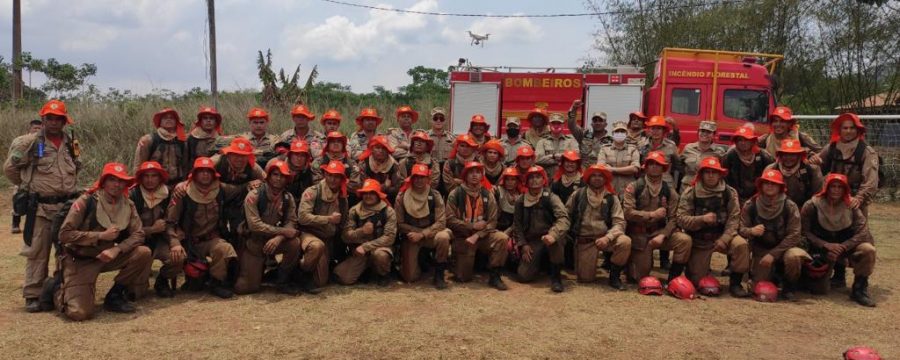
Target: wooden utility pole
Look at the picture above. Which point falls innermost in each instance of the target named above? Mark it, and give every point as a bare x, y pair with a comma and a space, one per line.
211, 16
17, 51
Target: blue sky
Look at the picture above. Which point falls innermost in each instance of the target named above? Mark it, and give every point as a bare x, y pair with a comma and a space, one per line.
145, 44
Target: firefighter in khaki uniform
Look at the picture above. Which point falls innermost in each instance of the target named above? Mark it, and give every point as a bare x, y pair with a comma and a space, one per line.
271, 228
637, 135
464, 151
151, 200
589, 140
422, 222
193, 219
420, 153
537, 119
336, 150
301, 116
377, 163
598, 224
694, 152
540, 224
263, 143
784, 127
770, 221
492, 155
513, 141
650, 204
621, 158
321, 215
331, 121
550, 148
836, 230
658, 129
44, 166
165, 145
745, 163
368, 122
801, 179
478, 129
370, 232
472, 213
443, 138
709, 212
102, 232
399, 138
201, 140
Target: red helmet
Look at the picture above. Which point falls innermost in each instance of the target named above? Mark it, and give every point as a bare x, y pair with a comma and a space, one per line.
682, 288
650, 285
195, 269
817, 268
861, 353
709, 286
765, 291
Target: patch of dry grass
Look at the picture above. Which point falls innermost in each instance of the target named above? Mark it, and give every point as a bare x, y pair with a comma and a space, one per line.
468, 321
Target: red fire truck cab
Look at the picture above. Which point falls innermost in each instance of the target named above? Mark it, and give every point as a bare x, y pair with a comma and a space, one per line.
731, 88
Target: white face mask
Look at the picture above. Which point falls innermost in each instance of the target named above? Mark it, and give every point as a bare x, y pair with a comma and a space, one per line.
619, 136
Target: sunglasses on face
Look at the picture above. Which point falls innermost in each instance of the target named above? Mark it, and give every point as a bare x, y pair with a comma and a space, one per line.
438, 119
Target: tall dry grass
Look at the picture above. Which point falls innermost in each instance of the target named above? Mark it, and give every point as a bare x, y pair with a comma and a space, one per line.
109, 130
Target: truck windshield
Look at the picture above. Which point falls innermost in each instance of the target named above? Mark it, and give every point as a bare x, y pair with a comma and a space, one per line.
749, 105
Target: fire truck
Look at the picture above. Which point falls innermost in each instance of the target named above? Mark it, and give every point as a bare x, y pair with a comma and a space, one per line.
689, 85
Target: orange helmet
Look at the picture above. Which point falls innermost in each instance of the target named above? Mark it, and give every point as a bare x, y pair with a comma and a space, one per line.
835, 177
601, 170
682, 288
331, 114
658, 157
116, 170
377, 140
478, 166
709, 286
209, 110
179, 126
783, 113
420, 135
152, 166
56, 107
836, 126
650, 285
418, 169
772, 176
765, 291
373, 186
658, 120
302, 110
257, 113
203, 163
279, 165
405, 109
368, 113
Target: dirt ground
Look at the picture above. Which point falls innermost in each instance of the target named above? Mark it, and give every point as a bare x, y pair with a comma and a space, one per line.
468, 321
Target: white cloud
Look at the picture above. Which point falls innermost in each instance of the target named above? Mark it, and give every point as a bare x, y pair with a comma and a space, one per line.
341, 39
509, 30
100, 36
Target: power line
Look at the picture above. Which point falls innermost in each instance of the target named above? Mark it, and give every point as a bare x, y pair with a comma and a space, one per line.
432, 13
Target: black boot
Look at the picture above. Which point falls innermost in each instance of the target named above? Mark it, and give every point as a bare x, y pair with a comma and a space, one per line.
787, 291
32, 305
675, 271
16, 219
556, 278
607, 260
439, 282
48, 292
115, 300
664, 262
284, 284
308, 285
839, 279
383, 280
218, 288
735, 287
860, 292
615, 277
162, 287
495, 281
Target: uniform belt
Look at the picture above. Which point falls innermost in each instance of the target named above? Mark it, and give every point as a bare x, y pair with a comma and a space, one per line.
586, 239
55, 199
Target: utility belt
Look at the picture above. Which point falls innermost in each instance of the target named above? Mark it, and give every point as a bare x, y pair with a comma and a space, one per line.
586, 239
55, 199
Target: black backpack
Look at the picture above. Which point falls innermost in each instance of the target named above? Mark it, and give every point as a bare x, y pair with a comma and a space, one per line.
832, 156
60, 217
579, 205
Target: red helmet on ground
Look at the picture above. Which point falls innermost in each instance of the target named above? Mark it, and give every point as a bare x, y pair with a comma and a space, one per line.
650, 285
817, 268
861, 353
765, 291
195, 269
709, 286
682, 288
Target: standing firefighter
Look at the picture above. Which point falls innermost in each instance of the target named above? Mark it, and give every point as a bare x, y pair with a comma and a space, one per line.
271, 221
745, 163
201, 141
298, 159
44, 166
400, 137
598, 224
331, 121
621, 158
636, 126
492, 156
301, 116
538, 119
367, 122
420, 153
336, 150
801, 178
784, 127
658, 129
151, 200
540, 225
193, 219
464, 151
650, 205
589, 140
513, 140
377, 163
166, 145
709, 212
263, 143
837, 232
443, 138
422, 222
101, 233
550, 149
770, 221
694, 152
478, 129
568, 178
321, 215
472, 217
849, 154
370, 232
